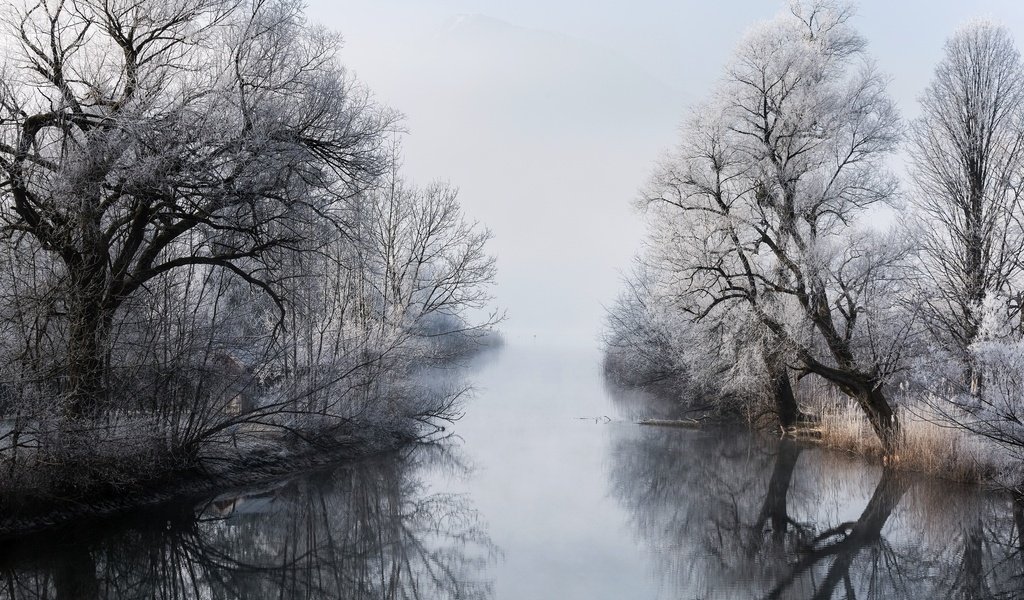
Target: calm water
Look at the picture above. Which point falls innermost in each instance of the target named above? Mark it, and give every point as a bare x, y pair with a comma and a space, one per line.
549, 491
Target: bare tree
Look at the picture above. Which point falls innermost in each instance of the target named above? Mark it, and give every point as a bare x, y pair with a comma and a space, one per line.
759, 204
206, 250
644, 339
426, 264
141, 136
967, 159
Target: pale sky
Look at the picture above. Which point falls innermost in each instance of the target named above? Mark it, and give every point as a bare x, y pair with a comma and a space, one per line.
548, 115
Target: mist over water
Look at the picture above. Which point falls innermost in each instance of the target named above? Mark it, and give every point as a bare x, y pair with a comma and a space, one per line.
548, 491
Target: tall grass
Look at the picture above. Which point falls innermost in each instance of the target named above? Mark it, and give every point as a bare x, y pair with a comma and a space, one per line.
929, 442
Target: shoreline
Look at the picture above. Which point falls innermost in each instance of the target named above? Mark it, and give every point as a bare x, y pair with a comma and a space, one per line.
983, 475
246, 470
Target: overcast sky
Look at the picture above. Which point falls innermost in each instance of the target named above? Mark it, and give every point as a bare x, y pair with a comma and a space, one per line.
549, 115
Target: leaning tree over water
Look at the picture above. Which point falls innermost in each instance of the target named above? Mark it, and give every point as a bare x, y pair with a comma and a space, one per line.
755, 210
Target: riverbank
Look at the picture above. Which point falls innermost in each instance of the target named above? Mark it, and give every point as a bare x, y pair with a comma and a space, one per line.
53, 472
931, 443
293, 536
26, 511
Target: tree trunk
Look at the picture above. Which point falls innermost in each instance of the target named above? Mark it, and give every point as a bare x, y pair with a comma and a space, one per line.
859, 385
972, 378
786, 408
882, 418
88, 336
780, 388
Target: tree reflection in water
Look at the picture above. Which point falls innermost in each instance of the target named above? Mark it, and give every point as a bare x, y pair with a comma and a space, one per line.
726, 515
366, 530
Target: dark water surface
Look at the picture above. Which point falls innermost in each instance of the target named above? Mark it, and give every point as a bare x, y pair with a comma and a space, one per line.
550, 491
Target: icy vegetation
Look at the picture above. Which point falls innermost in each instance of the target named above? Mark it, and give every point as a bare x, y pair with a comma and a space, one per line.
768, 287
208, 252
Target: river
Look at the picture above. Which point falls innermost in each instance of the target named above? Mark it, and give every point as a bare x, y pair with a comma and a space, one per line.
548, 489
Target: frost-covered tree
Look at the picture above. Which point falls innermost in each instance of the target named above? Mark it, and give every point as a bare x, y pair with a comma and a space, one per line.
967, 159
426, 263
760, 201
644, 337
994, 408
719, 364
139, 137
204, 235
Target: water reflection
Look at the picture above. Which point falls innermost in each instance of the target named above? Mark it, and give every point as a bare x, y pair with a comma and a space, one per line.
691, 514
729, 516
368, 530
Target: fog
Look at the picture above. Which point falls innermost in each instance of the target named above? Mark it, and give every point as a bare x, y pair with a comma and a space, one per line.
549, 116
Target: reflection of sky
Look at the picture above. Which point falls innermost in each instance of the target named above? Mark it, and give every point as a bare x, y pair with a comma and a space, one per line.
582, 508
578, 509
540, 478
549, 115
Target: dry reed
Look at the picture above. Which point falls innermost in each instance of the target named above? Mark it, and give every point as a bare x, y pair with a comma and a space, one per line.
929, 443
